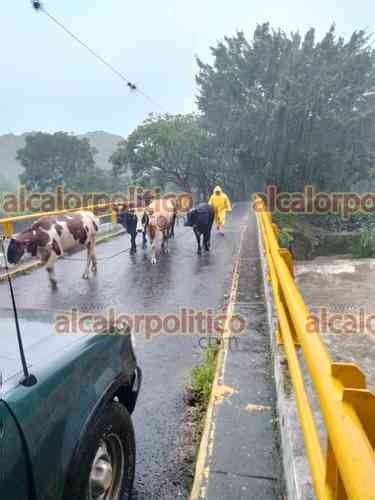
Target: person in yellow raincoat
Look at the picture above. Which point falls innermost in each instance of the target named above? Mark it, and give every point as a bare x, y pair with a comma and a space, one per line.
221, 205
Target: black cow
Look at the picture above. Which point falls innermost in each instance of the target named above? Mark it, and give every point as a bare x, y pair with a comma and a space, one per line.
201, 219
133, 222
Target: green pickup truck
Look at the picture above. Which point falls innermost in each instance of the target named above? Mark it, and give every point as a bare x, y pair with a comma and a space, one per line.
68, 433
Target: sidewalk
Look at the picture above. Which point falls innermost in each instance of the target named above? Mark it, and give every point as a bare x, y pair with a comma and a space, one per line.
239, 455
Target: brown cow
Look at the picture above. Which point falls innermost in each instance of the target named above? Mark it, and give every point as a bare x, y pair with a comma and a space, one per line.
50, 236
159, 220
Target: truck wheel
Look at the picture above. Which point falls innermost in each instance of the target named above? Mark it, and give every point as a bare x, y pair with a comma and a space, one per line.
105, 463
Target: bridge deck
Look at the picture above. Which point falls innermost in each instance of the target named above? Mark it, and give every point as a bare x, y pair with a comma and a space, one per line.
132, 285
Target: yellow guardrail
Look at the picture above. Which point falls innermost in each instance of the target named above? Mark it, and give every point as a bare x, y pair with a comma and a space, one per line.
8, 223
346, 469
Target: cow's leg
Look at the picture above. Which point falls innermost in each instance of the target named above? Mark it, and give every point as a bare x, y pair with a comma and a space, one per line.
94, 266
173, 223
209, 230
145, 225
85, 274
152, 239
133, 237
144, 239
153, 250
205, 241
198, 237
165, 242
50, 261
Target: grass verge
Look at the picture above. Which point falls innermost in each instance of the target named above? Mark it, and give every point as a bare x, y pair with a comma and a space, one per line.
200, 388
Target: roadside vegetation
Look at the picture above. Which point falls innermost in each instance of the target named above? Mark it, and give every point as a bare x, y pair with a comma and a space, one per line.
309, 236
365, 245
200, 388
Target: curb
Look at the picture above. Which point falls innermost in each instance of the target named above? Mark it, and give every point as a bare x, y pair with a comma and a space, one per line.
205, 449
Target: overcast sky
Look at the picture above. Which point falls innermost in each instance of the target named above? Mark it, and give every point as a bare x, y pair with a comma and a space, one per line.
50, 83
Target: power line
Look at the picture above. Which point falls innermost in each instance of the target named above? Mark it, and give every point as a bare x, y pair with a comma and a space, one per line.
38, 6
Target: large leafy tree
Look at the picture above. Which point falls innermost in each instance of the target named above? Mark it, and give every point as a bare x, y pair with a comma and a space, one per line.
50, 160
292, 111
168, 148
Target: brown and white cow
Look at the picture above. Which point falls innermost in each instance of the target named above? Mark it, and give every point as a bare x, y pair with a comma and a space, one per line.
50, 236
159, 220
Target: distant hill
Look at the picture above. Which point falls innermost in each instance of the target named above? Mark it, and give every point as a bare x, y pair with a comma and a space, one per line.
10, 168
105, 143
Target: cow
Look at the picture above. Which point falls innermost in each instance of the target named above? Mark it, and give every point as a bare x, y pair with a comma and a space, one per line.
50, 236
201, 220
158, 221
132, 218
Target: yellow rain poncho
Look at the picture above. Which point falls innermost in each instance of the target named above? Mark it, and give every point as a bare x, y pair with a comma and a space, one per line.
221, 204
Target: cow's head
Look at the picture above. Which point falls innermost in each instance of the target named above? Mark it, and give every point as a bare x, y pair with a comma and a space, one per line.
15, 251
190, 220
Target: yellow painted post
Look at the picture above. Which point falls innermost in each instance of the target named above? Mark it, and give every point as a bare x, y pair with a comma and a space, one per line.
113, 216
8, 227
363, 402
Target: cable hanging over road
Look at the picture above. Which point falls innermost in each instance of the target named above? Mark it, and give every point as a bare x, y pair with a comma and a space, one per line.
39, 7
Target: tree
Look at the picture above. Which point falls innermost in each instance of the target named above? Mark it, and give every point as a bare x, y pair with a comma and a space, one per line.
291, 111
168, 148
56, 159
96, 180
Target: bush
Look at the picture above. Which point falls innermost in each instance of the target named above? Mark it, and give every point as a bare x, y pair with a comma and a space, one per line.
365, 247
202, 376
286, 237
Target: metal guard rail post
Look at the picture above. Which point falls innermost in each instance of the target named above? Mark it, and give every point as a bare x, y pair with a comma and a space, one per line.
8, 222
348, 469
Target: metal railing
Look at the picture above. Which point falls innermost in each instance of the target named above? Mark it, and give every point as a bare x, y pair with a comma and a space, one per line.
346, 469
8, 223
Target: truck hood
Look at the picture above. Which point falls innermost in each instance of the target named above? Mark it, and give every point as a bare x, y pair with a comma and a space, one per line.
40, 341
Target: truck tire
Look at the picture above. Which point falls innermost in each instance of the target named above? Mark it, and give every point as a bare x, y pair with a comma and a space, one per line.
105, 462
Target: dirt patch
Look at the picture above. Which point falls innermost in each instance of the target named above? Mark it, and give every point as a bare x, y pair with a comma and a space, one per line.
181, 475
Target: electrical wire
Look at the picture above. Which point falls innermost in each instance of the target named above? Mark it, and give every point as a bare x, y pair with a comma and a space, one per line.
39, 7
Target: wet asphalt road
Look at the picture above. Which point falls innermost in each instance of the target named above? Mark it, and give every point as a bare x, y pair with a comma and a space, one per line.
132, 285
